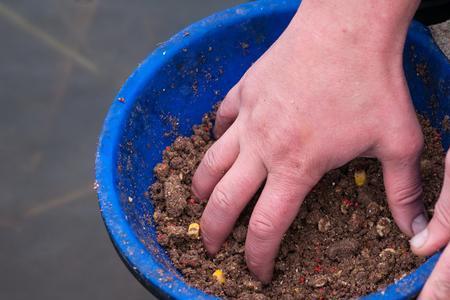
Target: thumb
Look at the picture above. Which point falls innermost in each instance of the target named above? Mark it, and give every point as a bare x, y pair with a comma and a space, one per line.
437, 233
403, 185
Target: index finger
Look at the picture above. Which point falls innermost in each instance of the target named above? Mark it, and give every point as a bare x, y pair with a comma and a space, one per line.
216, 162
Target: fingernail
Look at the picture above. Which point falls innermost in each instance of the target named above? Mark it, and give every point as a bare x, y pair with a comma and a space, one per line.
419, 224
419, 239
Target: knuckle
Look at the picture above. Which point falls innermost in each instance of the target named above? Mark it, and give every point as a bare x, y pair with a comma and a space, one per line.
221, 199
298, 172
407, 194
247, 93
224, 112
259, 127
262, 227
211, 162
245, 90
409, 147
416, 143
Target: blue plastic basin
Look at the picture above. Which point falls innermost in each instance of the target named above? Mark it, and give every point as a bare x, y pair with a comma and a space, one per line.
182, 79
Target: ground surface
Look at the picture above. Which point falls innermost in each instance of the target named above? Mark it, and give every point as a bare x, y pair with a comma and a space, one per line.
441, 33
61, 65
62, 62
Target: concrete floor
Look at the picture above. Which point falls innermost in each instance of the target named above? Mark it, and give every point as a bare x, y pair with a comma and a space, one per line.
441, 33
62, 62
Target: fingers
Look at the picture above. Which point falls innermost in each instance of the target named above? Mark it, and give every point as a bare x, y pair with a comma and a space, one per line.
403, 185
227, 112
216, 162
229, 198
273, 214
437, 234
438, 285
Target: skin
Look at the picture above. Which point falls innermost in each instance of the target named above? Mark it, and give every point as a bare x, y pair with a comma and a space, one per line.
332, 88
433, 238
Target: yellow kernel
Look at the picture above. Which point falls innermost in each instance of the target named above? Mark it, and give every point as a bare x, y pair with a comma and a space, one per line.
194, 231
360, 177
219, 276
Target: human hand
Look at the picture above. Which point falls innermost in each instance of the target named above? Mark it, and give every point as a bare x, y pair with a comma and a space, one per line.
433, 238
319, 97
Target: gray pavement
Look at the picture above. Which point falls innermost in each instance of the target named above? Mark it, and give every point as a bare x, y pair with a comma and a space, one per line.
61, 63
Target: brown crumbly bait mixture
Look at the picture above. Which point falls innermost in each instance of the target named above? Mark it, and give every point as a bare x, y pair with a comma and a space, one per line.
344, 242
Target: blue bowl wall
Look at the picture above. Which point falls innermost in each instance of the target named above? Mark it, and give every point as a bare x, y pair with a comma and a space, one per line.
171, 90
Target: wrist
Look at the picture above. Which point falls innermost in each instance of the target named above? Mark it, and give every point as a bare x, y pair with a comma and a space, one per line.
366, 26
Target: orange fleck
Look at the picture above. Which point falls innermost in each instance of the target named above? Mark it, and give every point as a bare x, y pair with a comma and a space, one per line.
347, 202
